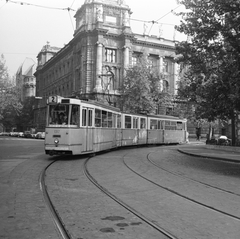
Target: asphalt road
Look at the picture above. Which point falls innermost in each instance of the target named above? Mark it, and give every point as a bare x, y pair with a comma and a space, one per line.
19, 148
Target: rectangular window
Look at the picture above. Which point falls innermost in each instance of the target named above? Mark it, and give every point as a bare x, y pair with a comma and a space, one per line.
98, 118
143, 123
179, 126
114, 120
153, 124
74, 120
110, 55
128, 122
58, 114
90, 117
104, 119
135, 122
170, 125
134, 61
84, 117
110, 120
160, 124
119, 121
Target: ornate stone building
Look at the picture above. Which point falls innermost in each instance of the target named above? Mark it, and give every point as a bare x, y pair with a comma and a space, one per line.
25, 79
93, 63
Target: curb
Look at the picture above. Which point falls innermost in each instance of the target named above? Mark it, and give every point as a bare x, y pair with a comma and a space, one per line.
207, 156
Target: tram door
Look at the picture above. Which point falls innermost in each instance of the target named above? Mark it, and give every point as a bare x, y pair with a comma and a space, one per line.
87, 123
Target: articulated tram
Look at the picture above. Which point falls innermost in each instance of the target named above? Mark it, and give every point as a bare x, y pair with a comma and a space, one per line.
79, 127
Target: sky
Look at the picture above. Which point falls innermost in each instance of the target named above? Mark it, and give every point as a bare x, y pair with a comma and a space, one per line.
26, 26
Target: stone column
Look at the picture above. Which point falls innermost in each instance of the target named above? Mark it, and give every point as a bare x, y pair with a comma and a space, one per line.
125, 58
98, 86
160, 66
175, 77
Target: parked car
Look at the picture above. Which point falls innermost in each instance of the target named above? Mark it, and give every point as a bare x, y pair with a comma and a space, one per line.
27, 134
5, 133
34, 136
20, 134
224, 140
40, 135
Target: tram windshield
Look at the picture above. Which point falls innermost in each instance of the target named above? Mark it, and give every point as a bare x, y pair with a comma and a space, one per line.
64, 115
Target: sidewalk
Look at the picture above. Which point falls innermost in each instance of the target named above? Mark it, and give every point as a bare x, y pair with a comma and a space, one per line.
200, 149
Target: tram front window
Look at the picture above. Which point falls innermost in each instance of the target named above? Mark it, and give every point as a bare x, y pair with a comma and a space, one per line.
58, 114
64, 115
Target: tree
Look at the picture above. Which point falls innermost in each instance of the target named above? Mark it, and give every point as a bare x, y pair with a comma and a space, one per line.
24, 120
9, 97
140, 92
211, 58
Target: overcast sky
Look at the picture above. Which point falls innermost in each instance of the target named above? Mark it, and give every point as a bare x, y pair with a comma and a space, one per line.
25, 28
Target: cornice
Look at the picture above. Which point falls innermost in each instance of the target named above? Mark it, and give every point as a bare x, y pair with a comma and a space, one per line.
158, 45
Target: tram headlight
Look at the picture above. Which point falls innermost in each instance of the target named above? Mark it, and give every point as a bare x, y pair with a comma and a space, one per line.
56, 141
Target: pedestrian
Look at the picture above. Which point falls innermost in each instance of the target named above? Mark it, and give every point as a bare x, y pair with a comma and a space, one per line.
198, 133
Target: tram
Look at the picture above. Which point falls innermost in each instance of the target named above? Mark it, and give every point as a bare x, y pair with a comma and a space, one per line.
74, 126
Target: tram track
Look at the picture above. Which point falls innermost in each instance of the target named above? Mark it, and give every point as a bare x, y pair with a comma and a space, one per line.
189, 178
53, 212
180, 194
126, 206
147, 218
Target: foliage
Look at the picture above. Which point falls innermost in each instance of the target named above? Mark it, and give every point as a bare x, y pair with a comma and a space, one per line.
211, 59
9, 97
24, 120
140, 92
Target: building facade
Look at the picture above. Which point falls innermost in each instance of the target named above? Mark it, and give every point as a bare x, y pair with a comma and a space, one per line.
25, 79
94, 62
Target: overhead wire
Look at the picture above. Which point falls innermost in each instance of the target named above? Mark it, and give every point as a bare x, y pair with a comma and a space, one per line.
70, 14
35, 5
70, 9
71, 20
157, 21
168, 13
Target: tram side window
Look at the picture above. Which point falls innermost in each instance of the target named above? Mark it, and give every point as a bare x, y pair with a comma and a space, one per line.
110, 120
84, 117
167, 125
143, 123
98, 118
119, 121
160, 124
173, 125
128, 122
90, 117
75, 115
153, 124
135, 122
170, 125
104, 119
180, 125
114, 120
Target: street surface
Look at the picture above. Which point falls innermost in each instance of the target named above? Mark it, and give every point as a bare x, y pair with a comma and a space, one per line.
190, 197
23, 213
